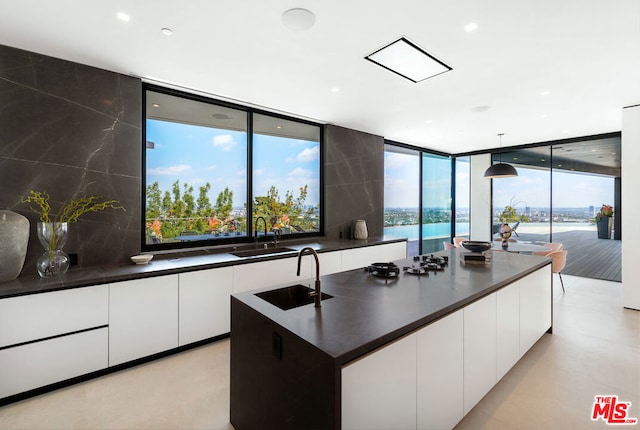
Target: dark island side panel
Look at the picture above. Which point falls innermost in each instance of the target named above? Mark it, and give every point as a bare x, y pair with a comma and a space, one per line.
278, 378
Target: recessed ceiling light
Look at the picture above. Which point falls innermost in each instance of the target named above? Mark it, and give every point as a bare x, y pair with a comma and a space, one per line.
335, 90
221, 116
429, 121
123, 17
167, 31
278, 126
565, 131
155, 105
471, 26
408, 60
544, 93
479, 109
544, 115
298, 19
559, 165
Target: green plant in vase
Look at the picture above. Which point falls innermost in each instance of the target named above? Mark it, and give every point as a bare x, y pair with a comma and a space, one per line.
53, 229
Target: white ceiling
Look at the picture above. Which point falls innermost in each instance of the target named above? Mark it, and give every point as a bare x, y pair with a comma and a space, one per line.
584, 53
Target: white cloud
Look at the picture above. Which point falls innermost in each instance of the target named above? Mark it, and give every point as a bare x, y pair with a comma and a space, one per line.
171, 170
224, 142
212, 167
299, 172
308, 154
258, 172
393, 160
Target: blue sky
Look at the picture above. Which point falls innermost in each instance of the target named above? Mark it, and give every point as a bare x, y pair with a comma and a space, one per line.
531, 187
196, 155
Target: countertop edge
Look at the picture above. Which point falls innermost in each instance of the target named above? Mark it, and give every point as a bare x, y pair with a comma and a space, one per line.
164, 265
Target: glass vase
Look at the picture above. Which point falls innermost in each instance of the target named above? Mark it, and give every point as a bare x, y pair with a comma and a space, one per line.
52, 236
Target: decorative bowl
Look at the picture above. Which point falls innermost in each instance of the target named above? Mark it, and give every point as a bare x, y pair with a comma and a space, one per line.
476, 246
142, 258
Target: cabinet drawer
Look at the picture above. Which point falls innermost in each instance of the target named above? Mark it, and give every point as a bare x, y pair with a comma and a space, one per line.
143, 318
37, 364
204, 304
37, 316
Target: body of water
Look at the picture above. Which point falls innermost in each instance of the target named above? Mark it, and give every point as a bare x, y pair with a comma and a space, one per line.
429, 231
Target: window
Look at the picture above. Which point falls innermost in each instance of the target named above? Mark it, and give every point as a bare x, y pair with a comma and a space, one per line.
462, 196
201, 183
286, 174
402, 195
436, 201
417, 197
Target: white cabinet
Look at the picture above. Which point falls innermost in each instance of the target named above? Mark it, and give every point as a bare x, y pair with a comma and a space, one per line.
535, 307
37, 316
37, 364
330, 262
51, 337
379, 390
143, 318
263, 274
440, 373
204, 304
508, 328
479, 350
357, 258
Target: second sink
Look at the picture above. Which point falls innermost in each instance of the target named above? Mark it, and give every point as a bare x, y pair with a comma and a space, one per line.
261, 251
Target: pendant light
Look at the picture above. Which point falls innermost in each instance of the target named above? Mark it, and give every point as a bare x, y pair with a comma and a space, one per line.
501, 170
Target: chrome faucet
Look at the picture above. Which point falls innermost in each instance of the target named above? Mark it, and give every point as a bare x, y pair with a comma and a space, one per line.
317, 294
264, 221
277, 233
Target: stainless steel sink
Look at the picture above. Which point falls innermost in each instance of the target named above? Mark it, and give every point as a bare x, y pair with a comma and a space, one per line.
290, 297
261, 251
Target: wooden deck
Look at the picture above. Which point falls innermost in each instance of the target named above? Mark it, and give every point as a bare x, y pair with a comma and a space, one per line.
587, 256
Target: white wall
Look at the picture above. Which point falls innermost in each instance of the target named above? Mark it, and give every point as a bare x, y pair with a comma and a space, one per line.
480, 190
630, 207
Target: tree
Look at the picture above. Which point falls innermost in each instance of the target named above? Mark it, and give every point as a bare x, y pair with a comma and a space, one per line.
224, 203
510, 214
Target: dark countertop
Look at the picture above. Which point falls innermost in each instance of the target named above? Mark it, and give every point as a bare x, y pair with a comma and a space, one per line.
366, 313
168, 263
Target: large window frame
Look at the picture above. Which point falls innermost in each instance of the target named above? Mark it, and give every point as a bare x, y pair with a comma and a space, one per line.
248, 235
416, 247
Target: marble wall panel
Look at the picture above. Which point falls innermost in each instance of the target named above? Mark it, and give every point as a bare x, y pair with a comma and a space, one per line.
354, 181
71, 130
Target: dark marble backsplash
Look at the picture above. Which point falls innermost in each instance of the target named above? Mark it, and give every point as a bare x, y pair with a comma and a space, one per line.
70, 130
354, 181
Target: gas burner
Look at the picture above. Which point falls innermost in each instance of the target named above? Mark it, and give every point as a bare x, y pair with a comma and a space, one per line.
431, 259
416, 269
433, 266
384, 270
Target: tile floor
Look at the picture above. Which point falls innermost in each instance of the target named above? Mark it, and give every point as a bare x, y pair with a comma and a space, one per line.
594, 349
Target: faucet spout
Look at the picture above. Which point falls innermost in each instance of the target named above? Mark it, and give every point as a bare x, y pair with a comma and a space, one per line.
255, 233
317, 294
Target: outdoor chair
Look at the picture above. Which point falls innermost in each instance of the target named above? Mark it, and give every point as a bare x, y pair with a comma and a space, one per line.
557, 246
513, 229
448, 245
457, 241
558, 263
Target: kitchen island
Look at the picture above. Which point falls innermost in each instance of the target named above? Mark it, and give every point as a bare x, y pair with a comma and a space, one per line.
409, 352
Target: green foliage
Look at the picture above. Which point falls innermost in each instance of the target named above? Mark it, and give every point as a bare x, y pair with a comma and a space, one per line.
287, 214
175, 212
510, 214
69, 211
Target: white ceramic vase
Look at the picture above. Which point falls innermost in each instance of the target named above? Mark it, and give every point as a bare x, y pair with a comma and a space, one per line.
14, 237
360, 230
